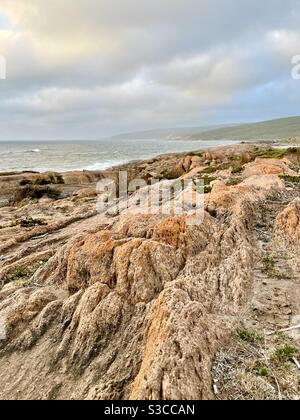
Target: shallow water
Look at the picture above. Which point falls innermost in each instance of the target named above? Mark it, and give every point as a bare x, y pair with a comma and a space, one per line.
67, 156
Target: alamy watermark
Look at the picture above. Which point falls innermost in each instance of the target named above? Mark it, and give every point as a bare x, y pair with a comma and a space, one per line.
296, 67
2, 67
154, 197
2, 328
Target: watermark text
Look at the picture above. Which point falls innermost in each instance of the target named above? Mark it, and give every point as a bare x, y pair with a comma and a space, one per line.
296, 67
156, 197
2, 328
2, 67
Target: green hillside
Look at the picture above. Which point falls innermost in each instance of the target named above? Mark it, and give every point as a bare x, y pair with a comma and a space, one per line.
267, 130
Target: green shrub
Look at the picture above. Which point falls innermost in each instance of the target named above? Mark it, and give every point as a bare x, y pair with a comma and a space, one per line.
233, 181
272, 153
285, 354
289, 178
237, 168
210, 169
264, 372
249, 336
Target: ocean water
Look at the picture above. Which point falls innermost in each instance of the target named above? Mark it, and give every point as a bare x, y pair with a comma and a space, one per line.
68, 156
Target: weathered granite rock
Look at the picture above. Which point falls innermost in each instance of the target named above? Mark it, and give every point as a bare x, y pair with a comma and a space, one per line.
128, 307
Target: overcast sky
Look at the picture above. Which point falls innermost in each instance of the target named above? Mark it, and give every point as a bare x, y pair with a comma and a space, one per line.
91, 68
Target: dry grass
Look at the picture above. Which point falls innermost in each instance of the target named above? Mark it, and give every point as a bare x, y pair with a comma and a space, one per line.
253, 370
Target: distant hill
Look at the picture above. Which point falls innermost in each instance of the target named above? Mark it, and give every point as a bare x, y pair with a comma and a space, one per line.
279, 129
167, 134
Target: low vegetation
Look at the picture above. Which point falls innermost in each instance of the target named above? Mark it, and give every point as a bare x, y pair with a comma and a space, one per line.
210, 170
284, 354
207, 189
47, 179
237, 168
33, 192
249, 336
267, 130
272, 154
231, 182
21, 275
264, 372
31, 222
172, 173
289, 178
269, 268
257, 367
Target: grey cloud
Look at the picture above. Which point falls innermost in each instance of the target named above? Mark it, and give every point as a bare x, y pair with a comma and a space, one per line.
102, 66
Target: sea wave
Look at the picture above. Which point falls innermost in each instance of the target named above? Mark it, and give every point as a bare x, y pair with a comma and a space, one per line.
99, 166
33, 151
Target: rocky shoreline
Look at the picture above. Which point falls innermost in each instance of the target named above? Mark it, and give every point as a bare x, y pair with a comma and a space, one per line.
149, 307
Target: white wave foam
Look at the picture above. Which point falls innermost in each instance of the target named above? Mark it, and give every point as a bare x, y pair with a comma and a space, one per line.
33, 151
100, 166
